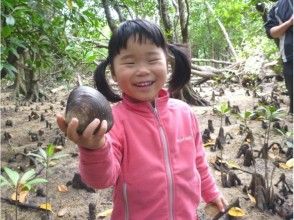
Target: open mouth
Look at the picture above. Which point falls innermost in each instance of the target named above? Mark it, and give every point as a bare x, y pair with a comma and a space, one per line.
144, 84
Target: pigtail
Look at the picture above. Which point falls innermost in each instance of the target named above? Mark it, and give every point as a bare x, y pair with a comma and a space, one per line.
181, 69
102, 84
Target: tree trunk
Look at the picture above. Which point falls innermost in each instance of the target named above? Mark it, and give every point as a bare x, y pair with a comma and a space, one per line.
118, 11
187, 93
110, 21
184, 20
225, 33
163, 11
26, 82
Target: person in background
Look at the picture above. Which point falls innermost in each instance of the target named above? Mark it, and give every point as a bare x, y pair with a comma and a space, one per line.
280, 25
153, 155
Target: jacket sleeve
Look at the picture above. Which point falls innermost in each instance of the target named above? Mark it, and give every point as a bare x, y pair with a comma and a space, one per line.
209, 190
100, 168
271, 21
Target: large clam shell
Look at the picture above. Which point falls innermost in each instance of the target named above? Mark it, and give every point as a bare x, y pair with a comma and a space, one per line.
86, 104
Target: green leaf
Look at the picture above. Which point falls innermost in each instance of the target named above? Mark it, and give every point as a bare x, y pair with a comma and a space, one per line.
6, 31
35, 155
90, 57
281, 132
4, 182
11, 69
14, 51
27, 176
80, 3
247, 114
35, 181
43, 153
13, 175
223, 108
10, 20
50, 150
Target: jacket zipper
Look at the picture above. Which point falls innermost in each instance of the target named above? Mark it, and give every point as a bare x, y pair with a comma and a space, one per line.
125, 196
167, 165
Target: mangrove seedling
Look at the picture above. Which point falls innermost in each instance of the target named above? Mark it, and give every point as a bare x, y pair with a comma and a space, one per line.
222, 110
46, 158
270, 114
245, 117
19, 183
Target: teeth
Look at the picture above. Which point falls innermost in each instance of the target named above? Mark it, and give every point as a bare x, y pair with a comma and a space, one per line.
142, 84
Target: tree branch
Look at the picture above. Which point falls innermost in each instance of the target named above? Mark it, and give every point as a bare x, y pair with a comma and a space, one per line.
212, 61
96, 43
224, 31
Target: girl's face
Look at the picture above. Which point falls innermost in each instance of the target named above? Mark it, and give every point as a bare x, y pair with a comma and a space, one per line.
140, 70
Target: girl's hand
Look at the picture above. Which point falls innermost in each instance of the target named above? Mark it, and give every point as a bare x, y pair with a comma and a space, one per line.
221, 203
88, 138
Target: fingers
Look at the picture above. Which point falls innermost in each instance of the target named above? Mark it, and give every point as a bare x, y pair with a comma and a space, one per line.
221, 207
72, 130
61, 123
221, 203
90, 129
93, 126
225, 202
103, 128
89, 138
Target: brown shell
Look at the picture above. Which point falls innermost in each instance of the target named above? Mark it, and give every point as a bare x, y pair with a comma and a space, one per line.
86, 104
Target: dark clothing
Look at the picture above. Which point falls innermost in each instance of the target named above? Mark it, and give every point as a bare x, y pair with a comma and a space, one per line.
288, 74
279, 13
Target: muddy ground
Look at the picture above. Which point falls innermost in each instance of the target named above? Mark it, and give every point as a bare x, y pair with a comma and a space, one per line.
75, 202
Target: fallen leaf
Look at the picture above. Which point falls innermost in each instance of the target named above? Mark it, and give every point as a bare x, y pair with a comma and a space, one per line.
62, 188
21, 197
233, 164
105, 213
46, 206
284, 166
52, 164
252, 199
208, 144
236, 212
290, 163
62, 212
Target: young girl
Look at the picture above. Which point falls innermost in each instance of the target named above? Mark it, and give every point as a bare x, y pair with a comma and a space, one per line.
153, 155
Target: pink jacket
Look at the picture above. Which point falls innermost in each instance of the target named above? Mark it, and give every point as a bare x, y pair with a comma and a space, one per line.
155, 160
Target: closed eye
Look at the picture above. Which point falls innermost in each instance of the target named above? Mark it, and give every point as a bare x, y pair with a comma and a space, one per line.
153, 60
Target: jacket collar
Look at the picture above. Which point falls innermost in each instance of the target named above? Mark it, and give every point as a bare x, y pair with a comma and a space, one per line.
146, 107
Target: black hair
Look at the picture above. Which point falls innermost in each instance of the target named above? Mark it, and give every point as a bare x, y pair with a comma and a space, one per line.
143, 30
